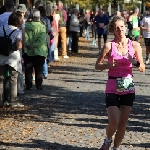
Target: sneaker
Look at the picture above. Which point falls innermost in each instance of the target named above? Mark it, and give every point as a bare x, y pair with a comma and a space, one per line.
20, 93
147, 60
69, 49
17, 105
6, 104
56, 59
65, 56
106, 145
93, 43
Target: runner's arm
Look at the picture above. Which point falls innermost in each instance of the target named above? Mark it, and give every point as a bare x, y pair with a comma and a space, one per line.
138, 54
100, 61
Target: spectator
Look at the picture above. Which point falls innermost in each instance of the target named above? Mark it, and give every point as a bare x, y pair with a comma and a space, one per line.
9, 5
62, 28
75, 29
81, 17
36, 50
93, 26
69, 38
56, 18
11, 63
87, 24
46, 21
21, 8
38, 3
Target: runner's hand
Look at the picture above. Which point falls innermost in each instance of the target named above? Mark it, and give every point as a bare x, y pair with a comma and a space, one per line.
114, 63
142, 67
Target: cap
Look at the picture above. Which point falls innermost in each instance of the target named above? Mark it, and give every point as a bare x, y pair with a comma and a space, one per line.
36, 13
21, 8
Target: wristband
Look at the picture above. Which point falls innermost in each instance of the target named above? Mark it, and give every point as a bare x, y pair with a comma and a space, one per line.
137, 64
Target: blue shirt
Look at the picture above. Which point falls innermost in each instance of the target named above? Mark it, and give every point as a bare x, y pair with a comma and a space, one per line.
104, 20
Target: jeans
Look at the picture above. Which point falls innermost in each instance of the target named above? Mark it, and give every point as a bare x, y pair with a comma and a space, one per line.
87, 36
20, 83
51, 52
45, 69
12, 85
7, 89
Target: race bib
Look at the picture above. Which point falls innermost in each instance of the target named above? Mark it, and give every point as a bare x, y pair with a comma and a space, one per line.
101, 25
135, 25
125, 84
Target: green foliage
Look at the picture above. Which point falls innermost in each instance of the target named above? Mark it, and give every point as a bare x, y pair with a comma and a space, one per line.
89, 4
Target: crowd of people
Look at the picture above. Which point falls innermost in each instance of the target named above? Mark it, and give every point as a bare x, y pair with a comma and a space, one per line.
39, 34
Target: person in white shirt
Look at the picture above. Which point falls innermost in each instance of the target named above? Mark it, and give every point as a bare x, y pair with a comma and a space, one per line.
145, 26
11, 63
9, 4
56, 17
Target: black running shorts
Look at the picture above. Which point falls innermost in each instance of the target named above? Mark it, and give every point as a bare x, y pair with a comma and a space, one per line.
147, 41
118, 100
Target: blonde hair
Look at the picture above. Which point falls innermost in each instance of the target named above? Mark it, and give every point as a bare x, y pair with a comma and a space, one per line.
113, 21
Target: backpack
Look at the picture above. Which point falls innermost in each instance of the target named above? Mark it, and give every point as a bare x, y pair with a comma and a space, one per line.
6, 43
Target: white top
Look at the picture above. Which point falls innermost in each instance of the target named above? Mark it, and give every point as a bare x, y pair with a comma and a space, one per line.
146, 23
14, 59
4, 18
57, 18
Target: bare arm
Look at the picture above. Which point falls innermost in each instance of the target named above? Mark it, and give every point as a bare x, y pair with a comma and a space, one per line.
19, 44
138, 54
143, 28
100, 61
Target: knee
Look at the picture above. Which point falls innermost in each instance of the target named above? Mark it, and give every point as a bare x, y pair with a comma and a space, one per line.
113, 124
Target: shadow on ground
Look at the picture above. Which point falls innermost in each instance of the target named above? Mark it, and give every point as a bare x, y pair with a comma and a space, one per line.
44, 145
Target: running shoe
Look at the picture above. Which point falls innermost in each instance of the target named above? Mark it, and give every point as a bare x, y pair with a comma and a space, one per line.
106, 145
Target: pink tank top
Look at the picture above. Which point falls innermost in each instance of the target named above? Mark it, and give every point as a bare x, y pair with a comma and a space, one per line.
123, 69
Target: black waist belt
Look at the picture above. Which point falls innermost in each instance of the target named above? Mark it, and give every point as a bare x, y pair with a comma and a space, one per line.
110, 77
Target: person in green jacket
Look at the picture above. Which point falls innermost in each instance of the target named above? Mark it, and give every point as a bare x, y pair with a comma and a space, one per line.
35, 50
